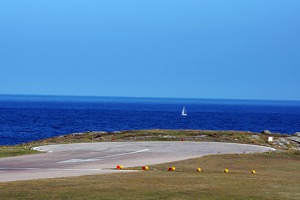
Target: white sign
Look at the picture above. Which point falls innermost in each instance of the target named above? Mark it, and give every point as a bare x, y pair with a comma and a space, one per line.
270, 139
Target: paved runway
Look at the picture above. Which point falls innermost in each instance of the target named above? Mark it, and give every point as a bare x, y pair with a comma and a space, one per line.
99, 158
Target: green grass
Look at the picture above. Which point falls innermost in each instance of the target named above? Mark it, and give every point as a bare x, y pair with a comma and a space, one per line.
8, 151
277, 177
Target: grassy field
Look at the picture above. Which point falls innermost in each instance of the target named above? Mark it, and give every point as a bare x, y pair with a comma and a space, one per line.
277, 177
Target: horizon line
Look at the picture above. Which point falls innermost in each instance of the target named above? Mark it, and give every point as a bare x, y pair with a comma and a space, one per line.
115, 96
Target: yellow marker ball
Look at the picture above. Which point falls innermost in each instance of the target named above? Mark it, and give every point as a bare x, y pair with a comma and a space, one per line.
146, 168
173, 168
199, 169
253, 172
226, 170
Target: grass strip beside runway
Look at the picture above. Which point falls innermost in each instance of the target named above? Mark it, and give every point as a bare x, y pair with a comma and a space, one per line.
8, 151
277, 177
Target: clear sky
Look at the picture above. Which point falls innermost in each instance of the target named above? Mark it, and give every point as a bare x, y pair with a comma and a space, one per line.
232, 49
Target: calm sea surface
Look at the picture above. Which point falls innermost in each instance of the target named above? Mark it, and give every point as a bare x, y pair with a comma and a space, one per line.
28, 118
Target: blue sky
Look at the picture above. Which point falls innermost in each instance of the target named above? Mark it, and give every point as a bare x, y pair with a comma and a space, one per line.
229, 49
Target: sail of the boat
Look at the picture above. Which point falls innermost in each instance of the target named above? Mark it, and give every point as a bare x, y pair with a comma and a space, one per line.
183, 111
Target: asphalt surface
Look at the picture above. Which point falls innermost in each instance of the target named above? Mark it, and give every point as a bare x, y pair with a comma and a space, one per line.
100, 158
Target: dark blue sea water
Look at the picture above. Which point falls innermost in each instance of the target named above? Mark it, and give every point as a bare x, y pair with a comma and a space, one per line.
28, 118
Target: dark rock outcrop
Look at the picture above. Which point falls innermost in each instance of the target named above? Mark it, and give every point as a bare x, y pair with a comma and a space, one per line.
295, 139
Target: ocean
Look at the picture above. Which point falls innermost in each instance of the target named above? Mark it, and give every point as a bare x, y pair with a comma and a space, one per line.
25, 118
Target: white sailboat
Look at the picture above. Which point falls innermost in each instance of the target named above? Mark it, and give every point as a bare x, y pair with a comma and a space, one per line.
183, 112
